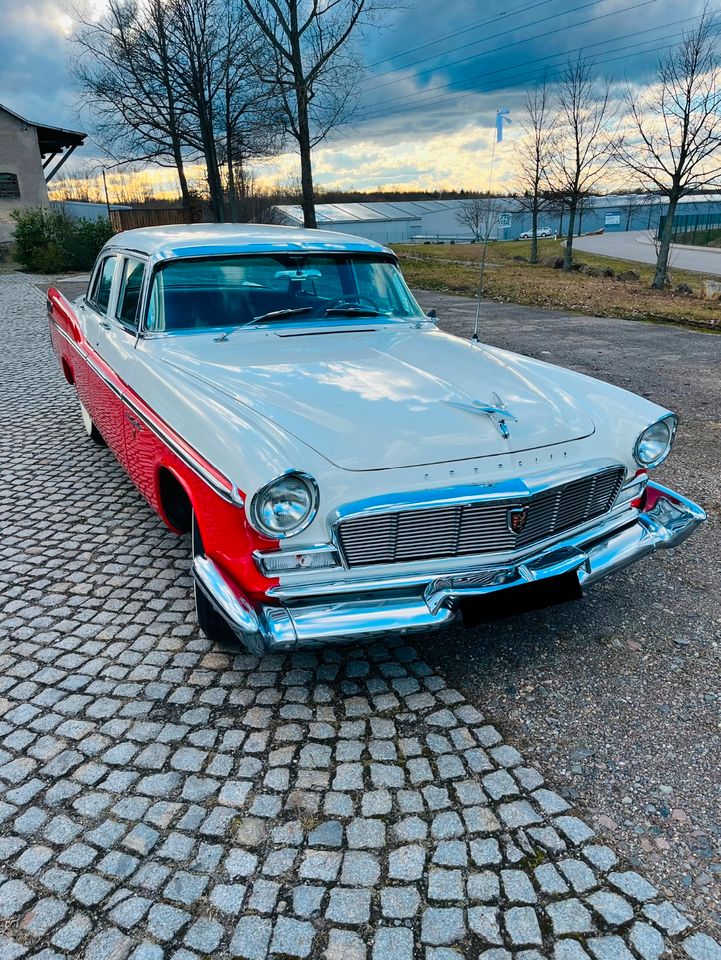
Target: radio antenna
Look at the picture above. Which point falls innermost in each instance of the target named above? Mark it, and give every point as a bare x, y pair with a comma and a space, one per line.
501, 115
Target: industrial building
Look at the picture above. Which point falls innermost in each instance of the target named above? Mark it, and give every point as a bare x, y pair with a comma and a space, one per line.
30, 156
416, 221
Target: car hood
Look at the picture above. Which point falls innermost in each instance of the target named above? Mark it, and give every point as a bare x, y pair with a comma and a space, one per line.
387, 397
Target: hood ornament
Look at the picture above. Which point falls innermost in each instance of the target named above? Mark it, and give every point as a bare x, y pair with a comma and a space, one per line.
497, 411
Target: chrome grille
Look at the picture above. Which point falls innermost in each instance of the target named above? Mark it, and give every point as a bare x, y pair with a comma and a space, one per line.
482, 527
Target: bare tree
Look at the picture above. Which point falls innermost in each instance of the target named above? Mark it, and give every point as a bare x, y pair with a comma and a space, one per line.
585, 204
555, 205
124, 65
178, 80
200, 46
473, 214
76, 184
250, 115
314, 69
676, 128
533, 158
583, 146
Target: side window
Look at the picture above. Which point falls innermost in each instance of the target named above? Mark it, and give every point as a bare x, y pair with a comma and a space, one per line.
9, 186
131, 282
100, 294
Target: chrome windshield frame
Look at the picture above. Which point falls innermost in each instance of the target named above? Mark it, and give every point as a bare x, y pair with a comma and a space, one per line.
158, 263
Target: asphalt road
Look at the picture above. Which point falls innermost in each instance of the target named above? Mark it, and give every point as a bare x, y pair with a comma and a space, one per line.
619, 694
636, 245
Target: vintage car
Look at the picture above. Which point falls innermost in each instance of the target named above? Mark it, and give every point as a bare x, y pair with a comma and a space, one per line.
346, 469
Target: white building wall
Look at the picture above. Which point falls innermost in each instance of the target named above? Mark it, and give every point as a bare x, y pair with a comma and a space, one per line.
382, 231
20, 155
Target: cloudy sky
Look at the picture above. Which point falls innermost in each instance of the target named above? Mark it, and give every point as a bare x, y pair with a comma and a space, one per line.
436, 74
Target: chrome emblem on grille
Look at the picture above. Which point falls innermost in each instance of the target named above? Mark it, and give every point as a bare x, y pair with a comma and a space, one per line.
517, 517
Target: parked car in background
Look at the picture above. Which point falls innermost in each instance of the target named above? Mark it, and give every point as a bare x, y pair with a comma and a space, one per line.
540, 233
346, 469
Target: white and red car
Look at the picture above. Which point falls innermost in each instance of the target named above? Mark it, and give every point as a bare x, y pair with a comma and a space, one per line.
348, 470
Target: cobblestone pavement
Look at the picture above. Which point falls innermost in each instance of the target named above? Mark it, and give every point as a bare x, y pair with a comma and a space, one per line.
160, 798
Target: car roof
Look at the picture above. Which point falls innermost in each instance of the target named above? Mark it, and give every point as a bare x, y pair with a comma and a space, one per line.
218, 239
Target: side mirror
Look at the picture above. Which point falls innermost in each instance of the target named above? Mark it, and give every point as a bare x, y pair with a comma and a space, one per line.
432, 315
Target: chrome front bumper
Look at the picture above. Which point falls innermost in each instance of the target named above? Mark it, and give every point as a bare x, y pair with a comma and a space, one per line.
372, 611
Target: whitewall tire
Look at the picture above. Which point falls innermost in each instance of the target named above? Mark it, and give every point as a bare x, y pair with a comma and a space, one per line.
90, 429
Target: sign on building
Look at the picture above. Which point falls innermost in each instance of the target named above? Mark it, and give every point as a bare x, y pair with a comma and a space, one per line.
612, 220
504, 219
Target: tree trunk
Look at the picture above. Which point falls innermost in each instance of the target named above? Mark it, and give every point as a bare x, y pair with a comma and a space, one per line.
229, 161
664, 249
568, 252
580, 220
215, 185
232, 195
303, 126
306, 166
158, 13
534, 232
180, 167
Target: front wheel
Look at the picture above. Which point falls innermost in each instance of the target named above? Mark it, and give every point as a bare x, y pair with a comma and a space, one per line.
90, 428
209, 620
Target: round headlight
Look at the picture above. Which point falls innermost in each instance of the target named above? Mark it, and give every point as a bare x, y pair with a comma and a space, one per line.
285, 506
654, 443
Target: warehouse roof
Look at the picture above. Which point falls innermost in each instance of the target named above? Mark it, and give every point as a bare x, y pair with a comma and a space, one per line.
377, 211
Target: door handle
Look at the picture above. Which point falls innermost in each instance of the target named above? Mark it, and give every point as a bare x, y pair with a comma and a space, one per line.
104, 324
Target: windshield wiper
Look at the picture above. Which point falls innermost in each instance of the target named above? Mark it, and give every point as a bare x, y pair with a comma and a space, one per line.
281, 314
356, 312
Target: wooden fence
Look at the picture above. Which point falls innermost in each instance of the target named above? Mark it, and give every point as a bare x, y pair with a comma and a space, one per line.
150, 217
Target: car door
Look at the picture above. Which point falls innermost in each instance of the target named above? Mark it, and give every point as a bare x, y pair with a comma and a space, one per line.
143, 449
101, 390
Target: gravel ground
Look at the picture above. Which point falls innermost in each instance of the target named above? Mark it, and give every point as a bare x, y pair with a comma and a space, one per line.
618, 695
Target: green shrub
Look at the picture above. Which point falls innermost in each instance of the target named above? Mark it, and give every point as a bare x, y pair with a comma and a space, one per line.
49, 241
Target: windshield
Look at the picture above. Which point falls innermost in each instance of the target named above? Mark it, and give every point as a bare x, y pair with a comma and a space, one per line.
235, 291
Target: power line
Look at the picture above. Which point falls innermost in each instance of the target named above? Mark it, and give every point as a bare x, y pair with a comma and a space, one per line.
552, 56
448, 89
515, 43
537, 75
449, 36
523, 77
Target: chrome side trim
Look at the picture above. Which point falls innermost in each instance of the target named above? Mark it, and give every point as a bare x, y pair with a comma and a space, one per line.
232, 496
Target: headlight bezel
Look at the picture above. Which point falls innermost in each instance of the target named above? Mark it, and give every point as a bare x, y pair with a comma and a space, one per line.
255, 517
670, 421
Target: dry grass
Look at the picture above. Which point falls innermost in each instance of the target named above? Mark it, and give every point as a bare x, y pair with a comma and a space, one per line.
454, 269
